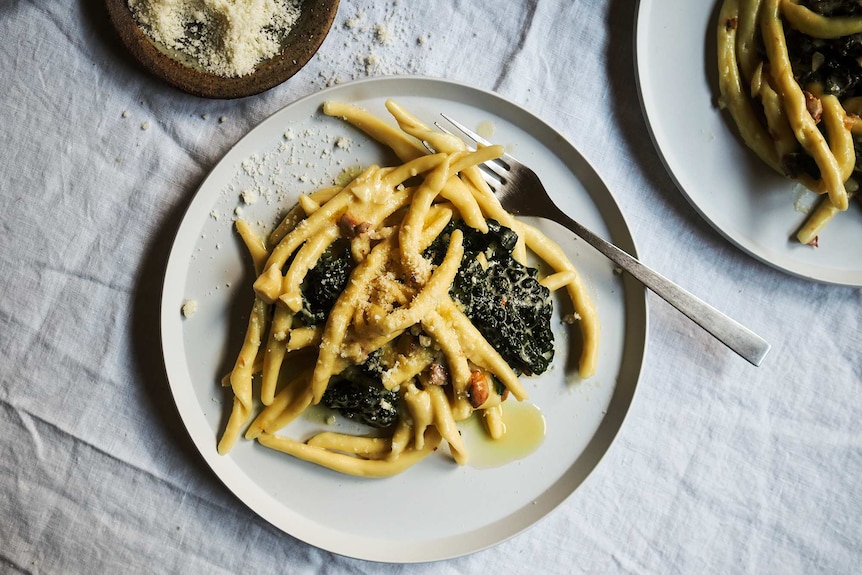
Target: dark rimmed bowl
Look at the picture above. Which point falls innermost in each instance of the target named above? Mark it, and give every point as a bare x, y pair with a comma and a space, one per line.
302, 43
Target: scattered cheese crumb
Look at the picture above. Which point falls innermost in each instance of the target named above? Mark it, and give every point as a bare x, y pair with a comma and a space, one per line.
382, 34
189, 308
354, 22
571, 318
370, 63
145, 125
248, 196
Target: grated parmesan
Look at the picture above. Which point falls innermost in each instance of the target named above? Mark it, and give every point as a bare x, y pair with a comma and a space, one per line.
189, 308
222, 37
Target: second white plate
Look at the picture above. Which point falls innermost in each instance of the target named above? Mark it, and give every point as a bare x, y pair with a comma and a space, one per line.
436, 509
750, 205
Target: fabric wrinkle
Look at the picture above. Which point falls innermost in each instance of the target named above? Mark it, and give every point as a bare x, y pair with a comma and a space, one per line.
510, 58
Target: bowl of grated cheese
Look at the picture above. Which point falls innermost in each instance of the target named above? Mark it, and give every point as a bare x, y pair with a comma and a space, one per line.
222, 48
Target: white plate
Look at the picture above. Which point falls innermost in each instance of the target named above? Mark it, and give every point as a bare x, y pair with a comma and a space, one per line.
436, 509
744, 200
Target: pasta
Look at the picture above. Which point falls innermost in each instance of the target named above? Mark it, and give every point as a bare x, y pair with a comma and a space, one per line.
359, 281
781, 79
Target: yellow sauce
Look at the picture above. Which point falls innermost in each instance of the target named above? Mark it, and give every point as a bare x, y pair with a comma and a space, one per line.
319, 414
347, 175
525, 432
486, 129
524, 424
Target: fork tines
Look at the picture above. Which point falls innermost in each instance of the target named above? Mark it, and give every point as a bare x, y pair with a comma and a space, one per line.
498, 168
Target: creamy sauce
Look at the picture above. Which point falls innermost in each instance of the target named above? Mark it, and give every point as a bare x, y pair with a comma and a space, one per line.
319, 414
486, 129
525, 432
347, 175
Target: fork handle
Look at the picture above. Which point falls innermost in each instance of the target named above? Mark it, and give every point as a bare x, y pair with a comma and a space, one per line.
728, 331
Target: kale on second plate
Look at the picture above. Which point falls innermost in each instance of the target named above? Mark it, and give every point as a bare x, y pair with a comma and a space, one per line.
831, 65
835, 7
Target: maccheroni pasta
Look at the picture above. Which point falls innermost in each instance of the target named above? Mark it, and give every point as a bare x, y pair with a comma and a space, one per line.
402, 300
789, 75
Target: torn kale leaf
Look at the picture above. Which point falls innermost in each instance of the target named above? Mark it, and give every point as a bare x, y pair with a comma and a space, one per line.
324, 283
357, 393
835, 7
503, 299
832, 64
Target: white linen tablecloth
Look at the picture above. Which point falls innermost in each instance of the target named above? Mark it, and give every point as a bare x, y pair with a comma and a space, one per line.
720, 467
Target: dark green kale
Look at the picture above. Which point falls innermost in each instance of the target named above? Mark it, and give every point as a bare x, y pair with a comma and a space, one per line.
794, 164
835, 7
357, 393
832, 63
504, 299
324, 283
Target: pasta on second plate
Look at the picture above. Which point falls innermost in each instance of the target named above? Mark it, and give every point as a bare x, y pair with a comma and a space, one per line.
401, 299
789, 75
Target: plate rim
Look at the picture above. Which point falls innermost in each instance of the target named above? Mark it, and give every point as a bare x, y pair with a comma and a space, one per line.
803, 270
637, 330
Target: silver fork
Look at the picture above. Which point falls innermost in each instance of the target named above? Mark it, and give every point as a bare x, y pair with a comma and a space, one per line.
521, 192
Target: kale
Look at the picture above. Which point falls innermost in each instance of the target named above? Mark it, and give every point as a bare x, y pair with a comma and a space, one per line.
357, 393
832, 64
324, 283
795, 164
835, 7
504, 299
